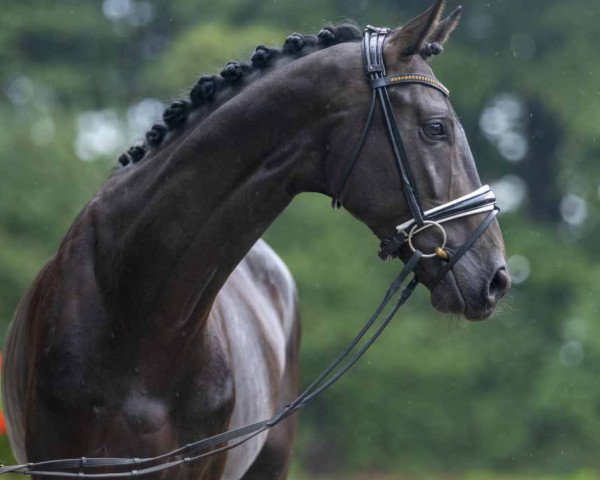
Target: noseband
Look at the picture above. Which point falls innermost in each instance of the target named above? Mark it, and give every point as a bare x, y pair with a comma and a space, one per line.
480, 201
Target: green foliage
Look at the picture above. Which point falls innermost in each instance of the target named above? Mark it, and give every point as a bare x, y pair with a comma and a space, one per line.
43, 189
515, 394
202, 49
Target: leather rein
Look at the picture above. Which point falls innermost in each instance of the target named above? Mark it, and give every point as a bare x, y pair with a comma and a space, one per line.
480, 201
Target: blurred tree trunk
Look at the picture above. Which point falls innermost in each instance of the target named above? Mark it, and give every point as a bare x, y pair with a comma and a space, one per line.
541, 165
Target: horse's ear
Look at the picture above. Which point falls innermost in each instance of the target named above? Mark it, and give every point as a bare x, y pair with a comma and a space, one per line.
444, 29
411, 38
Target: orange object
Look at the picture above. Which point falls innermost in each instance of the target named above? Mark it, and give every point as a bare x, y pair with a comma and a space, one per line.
2, 421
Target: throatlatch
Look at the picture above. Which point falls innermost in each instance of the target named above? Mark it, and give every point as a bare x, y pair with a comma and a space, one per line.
480, 201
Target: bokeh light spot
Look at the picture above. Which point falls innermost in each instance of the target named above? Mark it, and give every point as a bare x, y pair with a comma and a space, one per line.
99, 133
571, 354
519, 268
575, 329
43, 131
19, 90
573, 209
511, 191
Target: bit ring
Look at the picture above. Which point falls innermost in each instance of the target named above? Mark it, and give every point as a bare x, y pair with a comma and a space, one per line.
427, 224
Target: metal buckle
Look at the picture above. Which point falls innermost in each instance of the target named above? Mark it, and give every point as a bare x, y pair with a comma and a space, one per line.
372, 29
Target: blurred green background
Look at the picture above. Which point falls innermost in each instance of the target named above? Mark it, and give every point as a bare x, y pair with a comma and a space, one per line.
516, 397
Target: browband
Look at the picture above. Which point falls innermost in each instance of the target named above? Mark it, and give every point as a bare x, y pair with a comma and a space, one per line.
410, 78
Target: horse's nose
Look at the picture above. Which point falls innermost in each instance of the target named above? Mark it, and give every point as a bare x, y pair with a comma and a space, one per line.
499, 285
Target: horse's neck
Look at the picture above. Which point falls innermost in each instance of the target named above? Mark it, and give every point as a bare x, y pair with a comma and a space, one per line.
192, 212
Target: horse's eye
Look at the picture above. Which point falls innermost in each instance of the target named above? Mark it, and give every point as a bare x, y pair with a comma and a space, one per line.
435, 129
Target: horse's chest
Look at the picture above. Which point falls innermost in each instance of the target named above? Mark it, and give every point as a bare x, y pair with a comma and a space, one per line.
148, 397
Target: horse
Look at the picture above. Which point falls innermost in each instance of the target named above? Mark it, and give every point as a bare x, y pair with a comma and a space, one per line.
164, 318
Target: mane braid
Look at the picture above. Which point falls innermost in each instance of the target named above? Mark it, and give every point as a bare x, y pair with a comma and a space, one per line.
232, 75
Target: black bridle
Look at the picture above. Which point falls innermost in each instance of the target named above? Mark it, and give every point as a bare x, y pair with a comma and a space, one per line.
480, 201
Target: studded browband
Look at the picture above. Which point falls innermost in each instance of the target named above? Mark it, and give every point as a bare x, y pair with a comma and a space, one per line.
410, 78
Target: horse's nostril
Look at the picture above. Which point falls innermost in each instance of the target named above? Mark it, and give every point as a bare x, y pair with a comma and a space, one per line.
499, 284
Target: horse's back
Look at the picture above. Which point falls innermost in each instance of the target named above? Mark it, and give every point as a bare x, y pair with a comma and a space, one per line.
257, 310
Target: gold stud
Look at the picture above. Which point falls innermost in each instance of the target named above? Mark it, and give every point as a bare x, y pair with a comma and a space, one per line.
443, 254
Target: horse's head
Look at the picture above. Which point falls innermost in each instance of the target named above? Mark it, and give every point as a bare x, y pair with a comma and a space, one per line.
440, 163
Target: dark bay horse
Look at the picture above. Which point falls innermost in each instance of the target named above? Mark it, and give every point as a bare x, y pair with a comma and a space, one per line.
163, 318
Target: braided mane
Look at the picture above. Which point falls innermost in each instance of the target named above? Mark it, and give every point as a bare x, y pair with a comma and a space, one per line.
233, 75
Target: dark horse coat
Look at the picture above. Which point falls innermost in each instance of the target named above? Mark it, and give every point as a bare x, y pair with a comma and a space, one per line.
161, 321
253, 335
